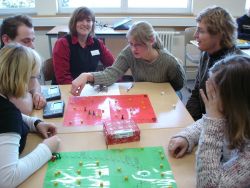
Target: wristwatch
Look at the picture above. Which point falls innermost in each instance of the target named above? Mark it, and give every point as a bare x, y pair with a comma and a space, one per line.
37, 122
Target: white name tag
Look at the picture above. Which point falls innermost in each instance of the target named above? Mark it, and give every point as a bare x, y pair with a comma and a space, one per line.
95, 52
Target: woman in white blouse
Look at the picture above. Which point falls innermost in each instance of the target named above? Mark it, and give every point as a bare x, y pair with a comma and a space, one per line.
19, 64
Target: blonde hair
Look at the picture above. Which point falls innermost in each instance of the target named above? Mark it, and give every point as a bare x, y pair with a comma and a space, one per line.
17, 64
143, 32
219, 21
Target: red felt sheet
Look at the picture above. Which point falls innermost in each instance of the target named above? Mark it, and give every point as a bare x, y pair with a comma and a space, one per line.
95, 110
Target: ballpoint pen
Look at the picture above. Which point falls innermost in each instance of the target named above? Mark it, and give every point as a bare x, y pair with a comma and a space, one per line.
130, 87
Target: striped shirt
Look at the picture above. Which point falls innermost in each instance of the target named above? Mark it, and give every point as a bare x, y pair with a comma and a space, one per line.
216, 164
166, 68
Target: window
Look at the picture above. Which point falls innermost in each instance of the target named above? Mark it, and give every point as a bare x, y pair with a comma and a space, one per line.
157, 4
247, 4
90, 3
17, 6
128, 6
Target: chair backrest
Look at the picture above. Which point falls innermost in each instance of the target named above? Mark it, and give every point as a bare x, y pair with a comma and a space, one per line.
189, 34
191, 52
61, 34
48, 70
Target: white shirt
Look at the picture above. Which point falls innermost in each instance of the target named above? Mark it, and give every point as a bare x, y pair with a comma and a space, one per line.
14, 170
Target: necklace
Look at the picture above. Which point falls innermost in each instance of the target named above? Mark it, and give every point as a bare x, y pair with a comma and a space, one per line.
3, 96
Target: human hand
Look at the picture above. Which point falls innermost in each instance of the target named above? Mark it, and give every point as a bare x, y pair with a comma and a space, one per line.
177, 147
46, 129
212, 100
52, 143
38, 100
79, 83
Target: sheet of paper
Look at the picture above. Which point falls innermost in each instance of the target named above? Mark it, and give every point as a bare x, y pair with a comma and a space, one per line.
96, 90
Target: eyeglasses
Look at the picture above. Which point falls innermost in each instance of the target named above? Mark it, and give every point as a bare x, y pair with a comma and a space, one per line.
136, 45
36, 77
200, 31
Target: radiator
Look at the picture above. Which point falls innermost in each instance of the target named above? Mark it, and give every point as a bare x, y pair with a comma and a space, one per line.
167, 38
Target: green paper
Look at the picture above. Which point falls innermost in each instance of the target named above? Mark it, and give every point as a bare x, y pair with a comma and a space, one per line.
115, 168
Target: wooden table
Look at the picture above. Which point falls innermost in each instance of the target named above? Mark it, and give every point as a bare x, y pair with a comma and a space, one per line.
171, 120
69, 142
169, 109
183, 169
101, 32
194, 42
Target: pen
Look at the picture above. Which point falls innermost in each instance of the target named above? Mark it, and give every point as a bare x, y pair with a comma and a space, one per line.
130, 87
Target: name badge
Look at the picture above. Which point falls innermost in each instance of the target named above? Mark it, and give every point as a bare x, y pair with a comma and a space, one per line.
95, 52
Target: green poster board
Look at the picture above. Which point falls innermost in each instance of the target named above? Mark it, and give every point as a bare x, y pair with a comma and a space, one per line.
115, 168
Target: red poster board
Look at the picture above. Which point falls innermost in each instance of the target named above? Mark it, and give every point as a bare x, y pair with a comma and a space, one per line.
94, 110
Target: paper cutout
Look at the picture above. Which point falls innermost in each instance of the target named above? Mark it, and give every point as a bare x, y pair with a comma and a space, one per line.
98, 90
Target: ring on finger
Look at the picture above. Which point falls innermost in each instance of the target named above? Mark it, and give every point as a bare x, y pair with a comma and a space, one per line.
171, 145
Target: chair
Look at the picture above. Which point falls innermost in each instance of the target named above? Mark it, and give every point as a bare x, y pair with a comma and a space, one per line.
48, 70
61, 34
190, 54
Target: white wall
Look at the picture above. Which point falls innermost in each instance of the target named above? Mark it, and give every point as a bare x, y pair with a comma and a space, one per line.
235, 7
42, 44
48, 18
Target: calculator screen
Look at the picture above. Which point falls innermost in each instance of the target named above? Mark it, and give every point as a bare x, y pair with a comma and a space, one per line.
56, 106
52, 90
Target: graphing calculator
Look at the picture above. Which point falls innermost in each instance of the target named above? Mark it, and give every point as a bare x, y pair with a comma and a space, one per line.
51, 93
53, 109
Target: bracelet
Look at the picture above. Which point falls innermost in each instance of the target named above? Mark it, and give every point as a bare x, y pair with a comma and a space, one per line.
37, 122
